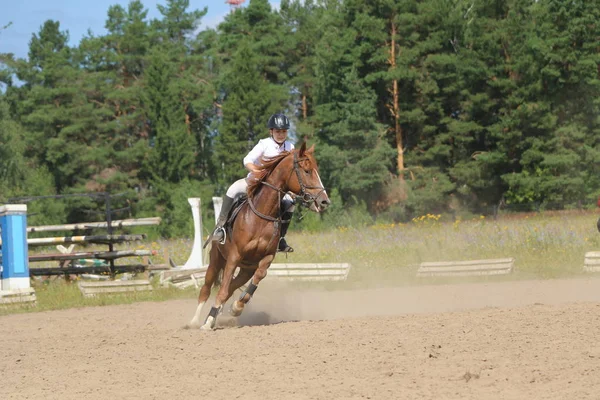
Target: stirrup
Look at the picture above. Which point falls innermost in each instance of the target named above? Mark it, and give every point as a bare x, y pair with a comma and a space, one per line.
283, 247
212, 237
222, 229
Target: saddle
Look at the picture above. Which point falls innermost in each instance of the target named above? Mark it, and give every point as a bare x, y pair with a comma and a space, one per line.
238, 203
236, 207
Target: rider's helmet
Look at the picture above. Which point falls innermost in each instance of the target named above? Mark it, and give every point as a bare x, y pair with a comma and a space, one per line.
278, 121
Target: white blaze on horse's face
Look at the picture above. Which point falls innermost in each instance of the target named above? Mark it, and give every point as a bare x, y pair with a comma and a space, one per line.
322, 201
310, 187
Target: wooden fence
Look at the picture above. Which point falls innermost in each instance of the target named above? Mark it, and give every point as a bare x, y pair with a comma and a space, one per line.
69, 261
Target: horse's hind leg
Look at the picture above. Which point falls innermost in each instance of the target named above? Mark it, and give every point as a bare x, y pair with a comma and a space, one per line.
261, 272
217, 262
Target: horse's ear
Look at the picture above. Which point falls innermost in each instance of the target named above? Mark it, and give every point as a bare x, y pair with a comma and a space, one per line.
302, 149
311, 150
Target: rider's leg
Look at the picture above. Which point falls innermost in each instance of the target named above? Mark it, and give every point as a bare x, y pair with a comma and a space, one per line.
288, 206
237, 188
219, 232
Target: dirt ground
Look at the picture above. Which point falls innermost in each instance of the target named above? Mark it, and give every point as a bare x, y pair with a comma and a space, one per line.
509, 340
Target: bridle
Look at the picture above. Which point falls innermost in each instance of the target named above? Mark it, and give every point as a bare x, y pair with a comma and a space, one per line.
305, 197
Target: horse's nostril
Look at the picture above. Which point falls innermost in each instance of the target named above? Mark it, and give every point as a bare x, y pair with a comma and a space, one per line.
325, 203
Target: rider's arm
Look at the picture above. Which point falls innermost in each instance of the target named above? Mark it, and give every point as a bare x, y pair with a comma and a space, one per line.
251, 160
251, 167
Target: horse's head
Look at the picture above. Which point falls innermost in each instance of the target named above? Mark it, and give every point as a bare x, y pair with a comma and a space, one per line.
305, 181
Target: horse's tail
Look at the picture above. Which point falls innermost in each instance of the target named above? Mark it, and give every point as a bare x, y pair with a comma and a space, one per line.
220, 277
215, 247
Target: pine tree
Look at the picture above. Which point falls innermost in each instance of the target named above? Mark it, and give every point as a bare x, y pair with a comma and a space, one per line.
249, 100
253, 83
20, 176
553, 114
355, 156
303, 20
173, 147
470, 77
47, 107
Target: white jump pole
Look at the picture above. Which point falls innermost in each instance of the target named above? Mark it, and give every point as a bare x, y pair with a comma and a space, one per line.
195, 260
14, 273
218, 203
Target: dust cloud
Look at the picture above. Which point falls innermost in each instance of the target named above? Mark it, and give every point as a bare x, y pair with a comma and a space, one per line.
275, 303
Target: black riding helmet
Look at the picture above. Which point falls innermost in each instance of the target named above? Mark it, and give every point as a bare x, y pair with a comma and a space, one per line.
278, 121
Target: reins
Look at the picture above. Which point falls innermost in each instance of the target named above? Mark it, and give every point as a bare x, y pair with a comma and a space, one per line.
305, 197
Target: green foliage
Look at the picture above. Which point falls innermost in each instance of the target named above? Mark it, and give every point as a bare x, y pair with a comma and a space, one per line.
416, 107
354, 155
253, 53
246, 109
170, 202
337, 215
18, 177
172, 153
428, 192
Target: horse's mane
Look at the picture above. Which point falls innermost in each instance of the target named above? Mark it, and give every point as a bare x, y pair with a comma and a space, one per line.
268, 165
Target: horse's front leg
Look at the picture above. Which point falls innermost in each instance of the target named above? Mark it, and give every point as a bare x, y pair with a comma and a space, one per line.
259, 275
223, 293
212, 272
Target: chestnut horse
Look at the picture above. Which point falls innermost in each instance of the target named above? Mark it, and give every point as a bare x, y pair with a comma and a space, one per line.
254, 238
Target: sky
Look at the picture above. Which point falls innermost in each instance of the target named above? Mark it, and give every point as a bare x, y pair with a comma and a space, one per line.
79, 16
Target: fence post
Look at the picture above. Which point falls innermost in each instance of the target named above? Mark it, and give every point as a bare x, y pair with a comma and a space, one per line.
218, 203
15, 259
109, 230
195, 260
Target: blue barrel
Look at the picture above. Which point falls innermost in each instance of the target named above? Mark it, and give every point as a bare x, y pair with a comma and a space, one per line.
15, 258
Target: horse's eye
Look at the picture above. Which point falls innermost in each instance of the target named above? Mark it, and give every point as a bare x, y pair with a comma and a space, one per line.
309, 172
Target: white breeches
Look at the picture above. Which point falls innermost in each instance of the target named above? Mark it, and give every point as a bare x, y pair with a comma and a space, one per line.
240, 186
237, 188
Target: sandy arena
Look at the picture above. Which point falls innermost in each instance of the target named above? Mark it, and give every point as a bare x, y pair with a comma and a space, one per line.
510, 340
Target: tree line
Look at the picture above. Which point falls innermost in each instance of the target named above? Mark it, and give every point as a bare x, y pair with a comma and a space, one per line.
415, 106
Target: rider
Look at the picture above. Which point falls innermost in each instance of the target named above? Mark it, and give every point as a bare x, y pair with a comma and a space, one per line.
272, 146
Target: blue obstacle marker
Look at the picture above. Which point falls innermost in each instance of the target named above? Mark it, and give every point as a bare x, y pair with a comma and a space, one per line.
15, 260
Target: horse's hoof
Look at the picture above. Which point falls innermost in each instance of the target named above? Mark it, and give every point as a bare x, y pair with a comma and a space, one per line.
235, 310
209, 325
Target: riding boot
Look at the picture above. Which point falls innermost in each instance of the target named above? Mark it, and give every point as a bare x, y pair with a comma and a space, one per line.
219, 233
283, 246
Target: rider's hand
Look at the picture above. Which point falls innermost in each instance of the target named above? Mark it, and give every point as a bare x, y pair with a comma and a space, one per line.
251, 167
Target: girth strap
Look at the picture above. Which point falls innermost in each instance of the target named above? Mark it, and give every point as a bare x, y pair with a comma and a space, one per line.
263, 216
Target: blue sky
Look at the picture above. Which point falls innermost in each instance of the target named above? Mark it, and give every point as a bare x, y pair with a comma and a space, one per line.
77, 16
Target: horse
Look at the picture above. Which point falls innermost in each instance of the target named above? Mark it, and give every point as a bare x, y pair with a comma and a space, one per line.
253, 237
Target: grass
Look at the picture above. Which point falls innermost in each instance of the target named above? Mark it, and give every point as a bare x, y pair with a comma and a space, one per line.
545, 246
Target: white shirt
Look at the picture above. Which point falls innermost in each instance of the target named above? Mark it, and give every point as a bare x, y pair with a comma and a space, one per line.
266, 148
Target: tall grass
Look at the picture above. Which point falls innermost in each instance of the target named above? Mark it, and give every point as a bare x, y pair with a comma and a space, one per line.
545, 246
